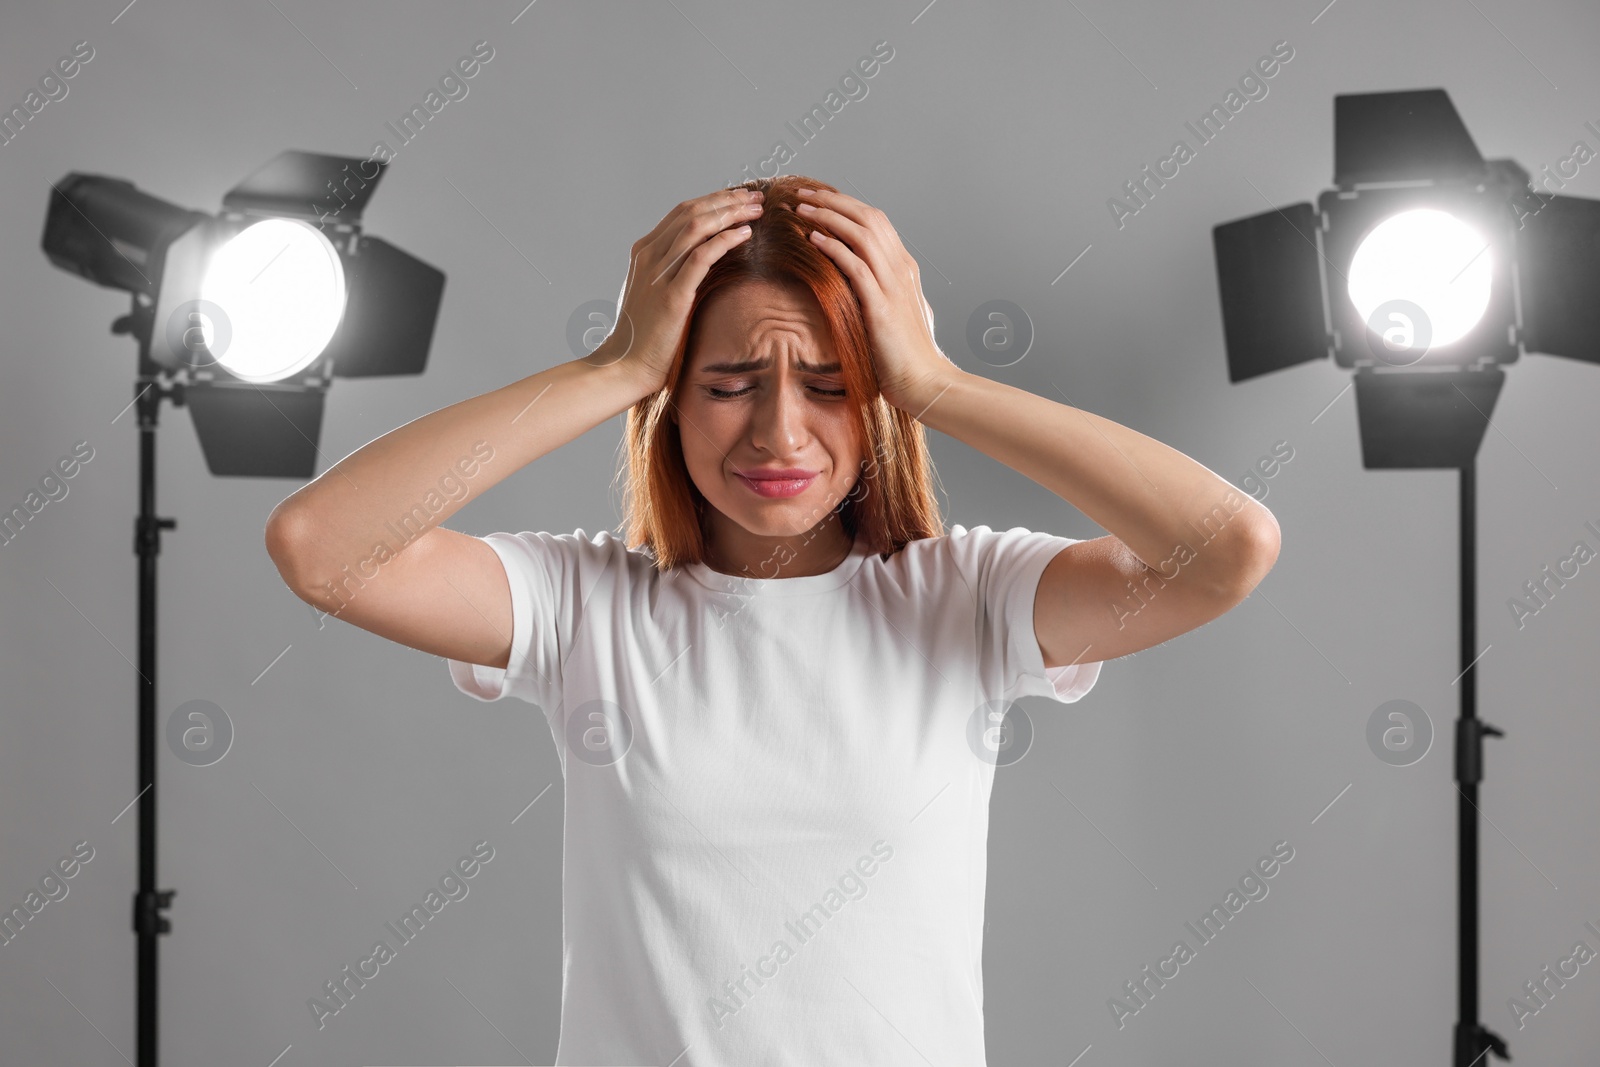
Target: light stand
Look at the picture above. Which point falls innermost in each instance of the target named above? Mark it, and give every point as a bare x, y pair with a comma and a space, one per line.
255, 389
1472, 1038
1426, 341
148, 901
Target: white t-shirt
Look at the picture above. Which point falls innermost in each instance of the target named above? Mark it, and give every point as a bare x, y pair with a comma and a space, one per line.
777, 791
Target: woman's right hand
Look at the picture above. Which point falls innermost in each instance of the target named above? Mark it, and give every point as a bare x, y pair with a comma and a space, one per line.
665, 268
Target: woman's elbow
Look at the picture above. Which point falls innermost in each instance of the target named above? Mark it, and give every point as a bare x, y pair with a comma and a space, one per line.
1258, 543
282, 537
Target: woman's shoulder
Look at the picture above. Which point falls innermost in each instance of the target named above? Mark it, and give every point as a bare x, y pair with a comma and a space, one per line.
960, 539
581, 549
956, 546
973, 553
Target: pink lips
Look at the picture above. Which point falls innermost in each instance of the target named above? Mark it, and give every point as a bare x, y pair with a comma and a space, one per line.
776, 484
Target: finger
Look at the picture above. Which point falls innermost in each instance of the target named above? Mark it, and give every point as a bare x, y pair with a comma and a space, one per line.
694, 269
860, 273
714, 217
700, 258
726, 205
865, 241
842, 226
672, 221
844, 204
665, 224
840, 202
645, 262
695, 238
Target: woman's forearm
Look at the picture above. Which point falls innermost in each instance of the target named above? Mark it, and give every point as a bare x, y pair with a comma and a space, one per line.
1148, 495
416, 476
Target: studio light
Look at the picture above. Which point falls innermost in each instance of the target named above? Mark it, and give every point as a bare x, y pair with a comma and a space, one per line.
255, 310
246, 317
1423, 271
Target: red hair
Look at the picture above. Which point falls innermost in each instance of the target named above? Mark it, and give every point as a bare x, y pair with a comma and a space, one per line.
892, 501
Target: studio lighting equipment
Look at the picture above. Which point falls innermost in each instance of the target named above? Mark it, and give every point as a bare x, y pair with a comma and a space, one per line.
1424, 271
246, 317
258, 308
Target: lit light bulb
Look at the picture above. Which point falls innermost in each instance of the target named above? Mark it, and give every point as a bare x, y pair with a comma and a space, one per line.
282, 287
1431, 259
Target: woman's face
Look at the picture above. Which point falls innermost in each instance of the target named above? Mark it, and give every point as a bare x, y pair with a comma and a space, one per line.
756, 394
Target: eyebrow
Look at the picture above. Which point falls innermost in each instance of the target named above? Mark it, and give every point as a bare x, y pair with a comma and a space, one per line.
763, 364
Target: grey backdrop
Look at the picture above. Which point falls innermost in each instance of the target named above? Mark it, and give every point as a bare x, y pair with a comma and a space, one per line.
993, 138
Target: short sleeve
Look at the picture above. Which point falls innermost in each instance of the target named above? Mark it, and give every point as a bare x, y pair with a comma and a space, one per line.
1003, 569
550, 576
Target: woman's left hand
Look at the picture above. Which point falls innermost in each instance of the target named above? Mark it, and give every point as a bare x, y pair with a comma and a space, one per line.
859, 239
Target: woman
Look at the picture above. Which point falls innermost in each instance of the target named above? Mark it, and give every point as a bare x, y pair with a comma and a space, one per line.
778, 700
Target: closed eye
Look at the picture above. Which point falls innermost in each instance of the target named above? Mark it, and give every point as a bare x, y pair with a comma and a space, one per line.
727, 394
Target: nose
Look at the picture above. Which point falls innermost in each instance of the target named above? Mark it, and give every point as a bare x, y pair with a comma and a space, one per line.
778, 422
